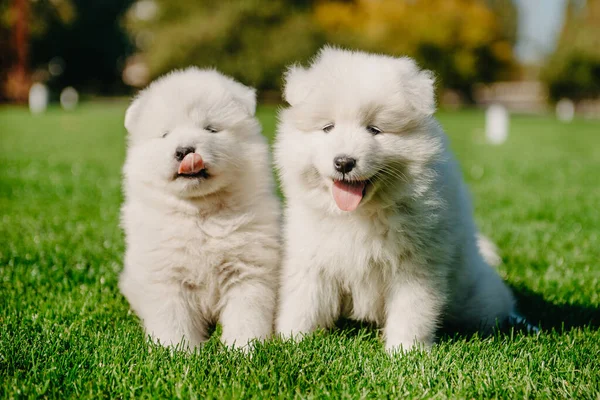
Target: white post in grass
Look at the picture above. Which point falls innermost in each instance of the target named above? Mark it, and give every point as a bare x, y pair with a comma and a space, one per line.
38, 98
69, 98
496, 124
565, 110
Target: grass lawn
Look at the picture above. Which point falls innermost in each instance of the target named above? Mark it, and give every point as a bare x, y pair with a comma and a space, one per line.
65, 331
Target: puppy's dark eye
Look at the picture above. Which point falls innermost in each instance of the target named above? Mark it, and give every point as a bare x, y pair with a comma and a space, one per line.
328, 128
211, 129
373, 130
165, 134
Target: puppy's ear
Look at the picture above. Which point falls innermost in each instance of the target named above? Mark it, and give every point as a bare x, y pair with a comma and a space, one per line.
419, 87
132, 114
296, 87
245, 96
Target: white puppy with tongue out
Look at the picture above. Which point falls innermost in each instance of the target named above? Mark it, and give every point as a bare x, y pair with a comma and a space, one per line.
200, 216
378, 222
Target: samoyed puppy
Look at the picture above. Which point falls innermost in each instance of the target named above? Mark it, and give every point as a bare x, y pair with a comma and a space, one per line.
200, 216
378, 221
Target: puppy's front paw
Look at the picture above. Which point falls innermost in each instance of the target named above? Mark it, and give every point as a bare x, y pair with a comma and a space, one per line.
290, 326
176, 343
240, 341
401, 347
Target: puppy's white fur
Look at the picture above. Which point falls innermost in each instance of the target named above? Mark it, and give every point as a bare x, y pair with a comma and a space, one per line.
407, 258
199, 251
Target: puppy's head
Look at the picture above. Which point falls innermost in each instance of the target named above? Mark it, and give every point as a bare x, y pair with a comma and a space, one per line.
187, 132
359, 129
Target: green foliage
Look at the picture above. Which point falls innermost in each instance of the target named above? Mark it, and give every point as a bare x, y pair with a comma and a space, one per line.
66, 332
251, 40
462, 41
507, 15
573, 71
578, 77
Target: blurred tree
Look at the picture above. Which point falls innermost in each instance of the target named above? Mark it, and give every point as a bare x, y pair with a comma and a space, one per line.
507, 15
80, 43
573, 71
84, 47
21, 20
463, 41
252, 40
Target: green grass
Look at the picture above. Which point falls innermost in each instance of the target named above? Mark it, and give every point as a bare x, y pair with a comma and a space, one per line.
65, 331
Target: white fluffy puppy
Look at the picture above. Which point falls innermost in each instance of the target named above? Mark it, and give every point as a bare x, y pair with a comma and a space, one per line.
379, 225
200, 217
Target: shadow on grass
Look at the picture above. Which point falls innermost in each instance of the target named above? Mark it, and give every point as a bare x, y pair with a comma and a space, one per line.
349, 327
549, 316
537, 311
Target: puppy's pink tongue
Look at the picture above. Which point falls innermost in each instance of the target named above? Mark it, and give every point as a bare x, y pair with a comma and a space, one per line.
191, 164
348, 195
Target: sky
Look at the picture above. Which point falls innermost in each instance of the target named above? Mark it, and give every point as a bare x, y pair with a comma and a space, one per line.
540, 23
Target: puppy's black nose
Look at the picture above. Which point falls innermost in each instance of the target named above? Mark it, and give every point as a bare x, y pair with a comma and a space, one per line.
181, 152
344, 164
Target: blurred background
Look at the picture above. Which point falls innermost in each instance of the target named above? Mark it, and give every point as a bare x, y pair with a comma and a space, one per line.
524, 54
